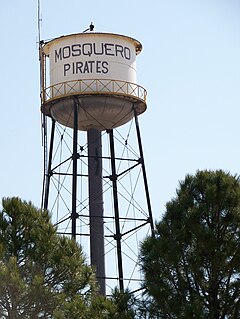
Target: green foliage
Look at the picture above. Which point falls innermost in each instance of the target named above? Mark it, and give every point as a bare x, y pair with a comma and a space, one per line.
147, 308
94, 306
192, 265
42, 275
125, 304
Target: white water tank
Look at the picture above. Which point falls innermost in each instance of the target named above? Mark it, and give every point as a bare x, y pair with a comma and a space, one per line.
97, 70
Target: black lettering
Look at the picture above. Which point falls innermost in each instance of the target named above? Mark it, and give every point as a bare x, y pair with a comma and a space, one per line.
100, 52
86, 69
76, 49
119, 49
58, 55
108, 47
66, 68
104, 67
90, 64
66, 52
98, 66
88, 50
79, 66
127, 53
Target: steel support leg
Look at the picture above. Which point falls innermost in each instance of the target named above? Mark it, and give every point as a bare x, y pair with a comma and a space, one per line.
49, 172
75, 157
144, 172
117, 236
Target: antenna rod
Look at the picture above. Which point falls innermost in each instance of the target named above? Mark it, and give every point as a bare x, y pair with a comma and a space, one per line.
39, 23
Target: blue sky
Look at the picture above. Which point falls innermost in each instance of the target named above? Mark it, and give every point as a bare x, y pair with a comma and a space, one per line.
190, 66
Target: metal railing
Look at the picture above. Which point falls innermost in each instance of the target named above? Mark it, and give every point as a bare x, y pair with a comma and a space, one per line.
94, 86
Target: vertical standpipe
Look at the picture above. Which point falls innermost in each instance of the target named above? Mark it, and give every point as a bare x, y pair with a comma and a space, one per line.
95, 187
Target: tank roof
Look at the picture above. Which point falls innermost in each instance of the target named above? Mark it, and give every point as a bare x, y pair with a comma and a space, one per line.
137, 44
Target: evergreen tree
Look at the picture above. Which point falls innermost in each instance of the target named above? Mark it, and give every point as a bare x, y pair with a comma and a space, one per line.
42, 274
125, 303
192, 265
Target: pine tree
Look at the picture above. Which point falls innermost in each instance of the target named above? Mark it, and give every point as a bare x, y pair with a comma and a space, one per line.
192, 265
42, 274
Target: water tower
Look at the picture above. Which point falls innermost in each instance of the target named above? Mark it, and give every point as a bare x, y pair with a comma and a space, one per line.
88, 91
